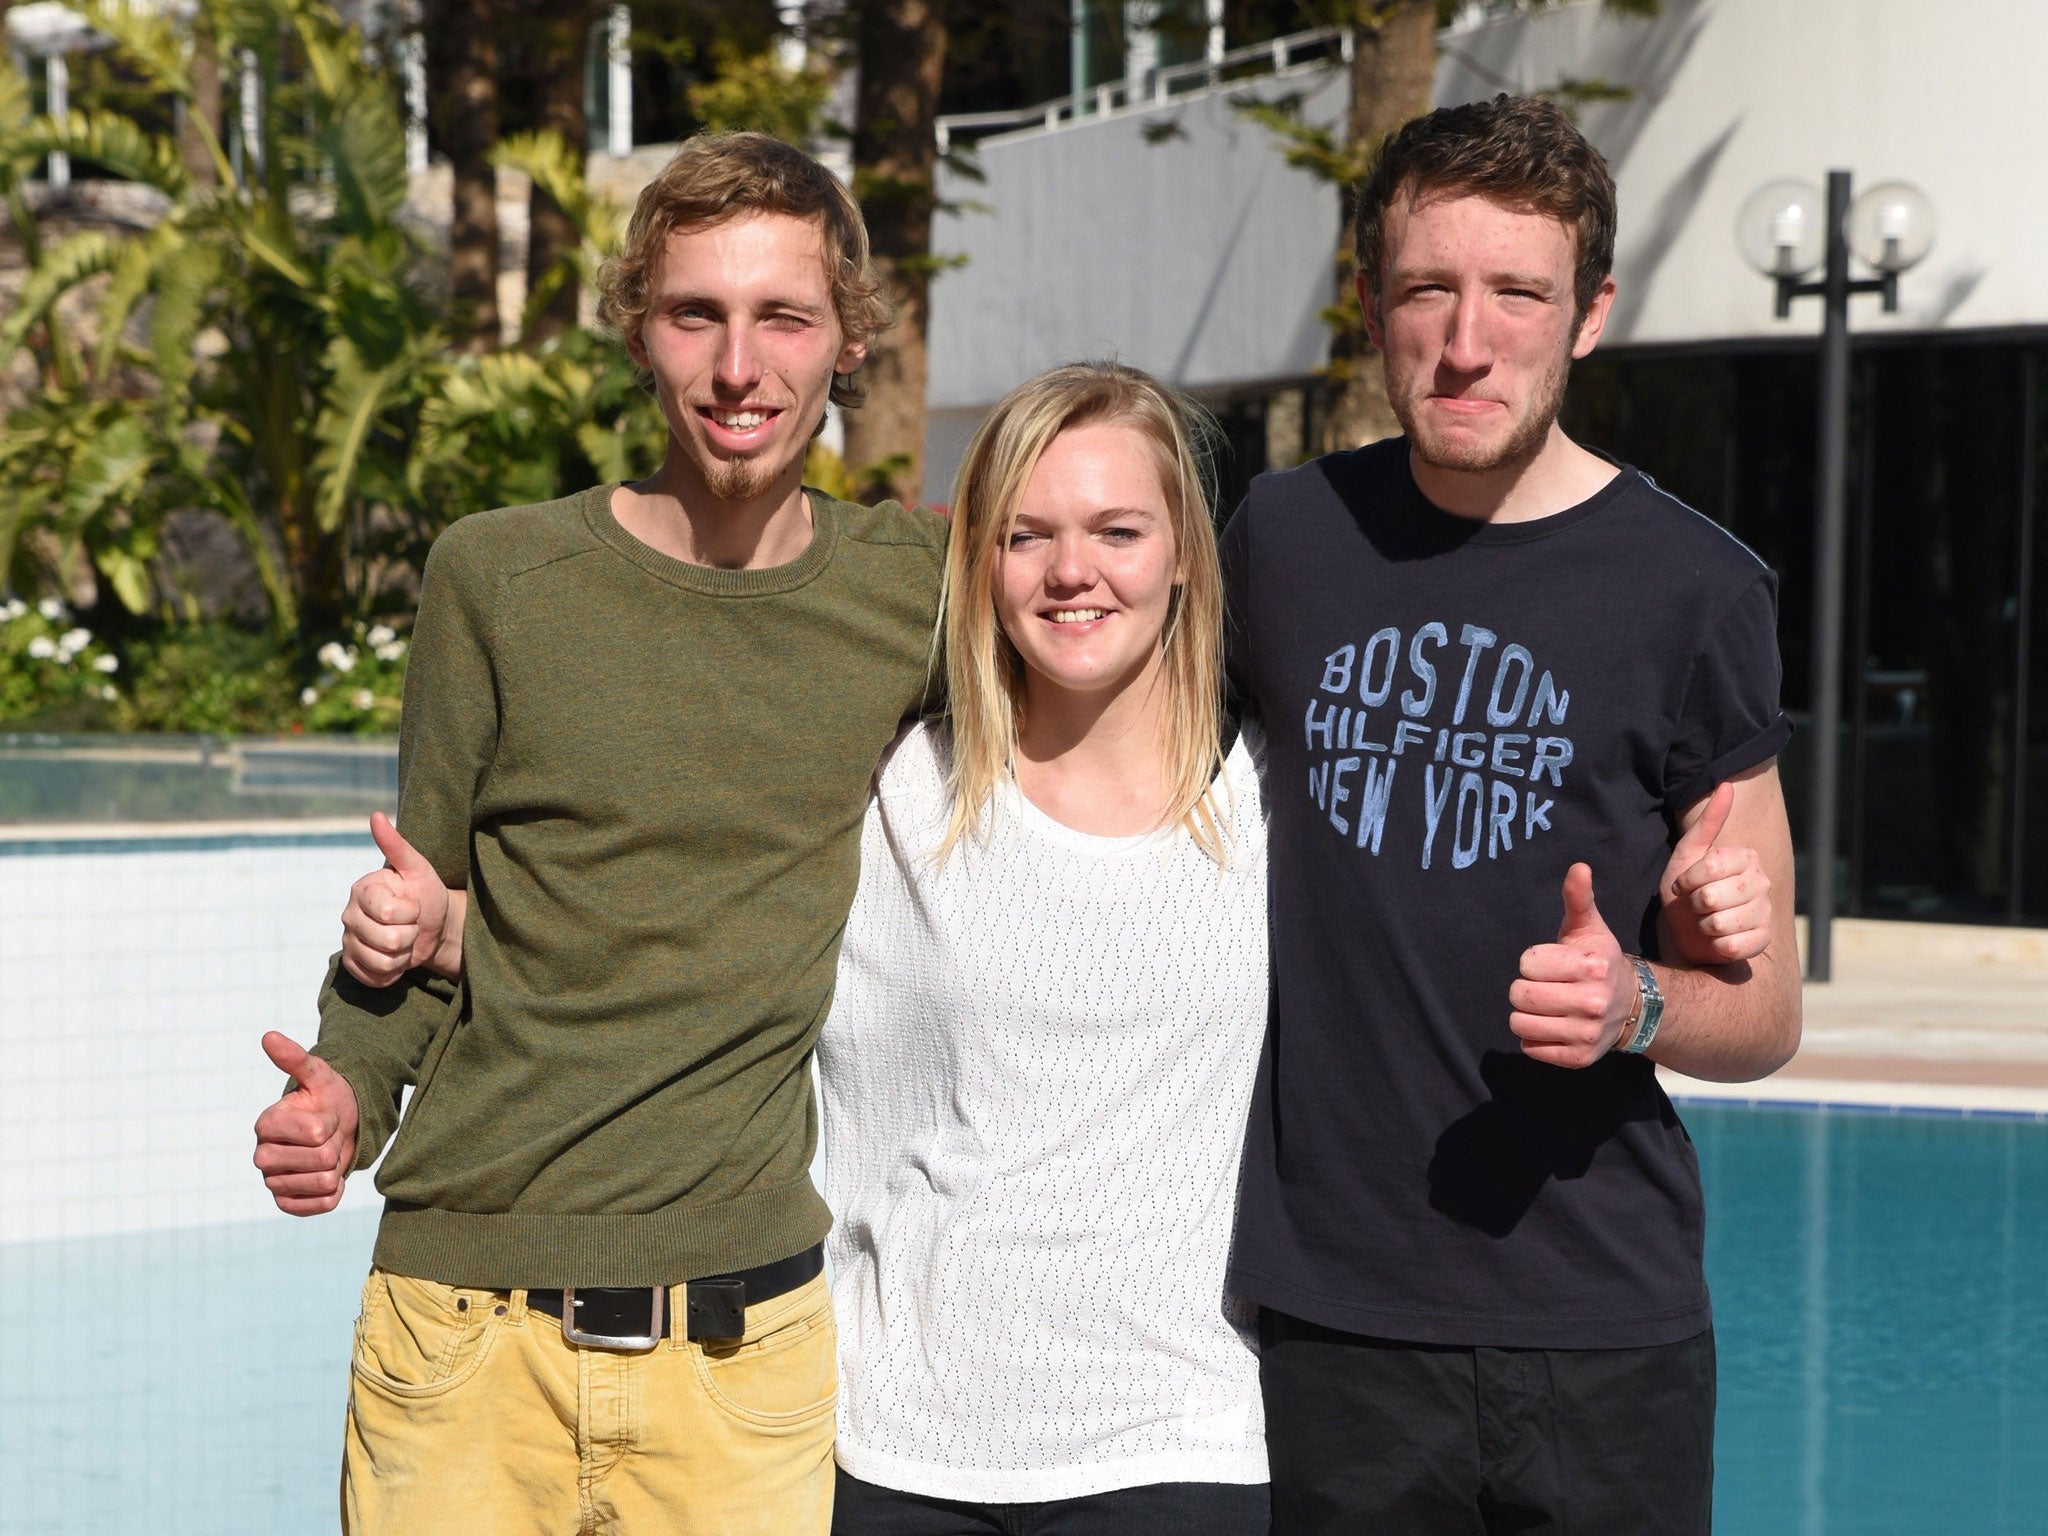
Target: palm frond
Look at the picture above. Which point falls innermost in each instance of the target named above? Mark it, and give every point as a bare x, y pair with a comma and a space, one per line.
108, 140
557, 170
16, 100
136, 271
150, 38
356, 396
63, 267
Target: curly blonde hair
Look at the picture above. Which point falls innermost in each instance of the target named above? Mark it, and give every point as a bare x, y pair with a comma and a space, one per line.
719, 176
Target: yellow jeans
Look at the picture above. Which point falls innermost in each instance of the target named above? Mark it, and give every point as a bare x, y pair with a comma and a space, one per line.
468, 1414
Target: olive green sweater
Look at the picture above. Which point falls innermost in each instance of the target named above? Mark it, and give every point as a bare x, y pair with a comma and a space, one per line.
651, 777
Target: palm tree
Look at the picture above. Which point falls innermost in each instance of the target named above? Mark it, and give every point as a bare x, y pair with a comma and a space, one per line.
547, 51
276, 349
462, 58
902, 51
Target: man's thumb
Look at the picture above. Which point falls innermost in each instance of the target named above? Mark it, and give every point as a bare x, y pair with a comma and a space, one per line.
1705, 832
398, 853
1580, 914
292, 1059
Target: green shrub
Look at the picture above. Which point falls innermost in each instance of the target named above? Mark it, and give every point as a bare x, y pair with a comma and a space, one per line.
360, 683
210, 679
54, 674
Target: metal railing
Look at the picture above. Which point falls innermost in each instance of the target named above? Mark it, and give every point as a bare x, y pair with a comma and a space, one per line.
1156, 88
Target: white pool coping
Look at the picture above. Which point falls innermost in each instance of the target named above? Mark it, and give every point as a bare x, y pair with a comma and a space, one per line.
1987, 1100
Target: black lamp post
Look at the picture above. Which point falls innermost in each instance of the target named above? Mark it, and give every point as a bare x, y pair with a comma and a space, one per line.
1785, 231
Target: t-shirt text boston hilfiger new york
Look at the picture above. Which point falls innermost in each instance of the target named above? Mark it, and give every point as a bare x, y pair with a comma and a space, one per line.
1479, 726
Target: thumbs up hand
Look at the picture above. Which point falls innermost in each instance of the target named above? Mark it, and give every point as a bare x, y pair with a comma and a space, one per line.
396, 916
1573, 997
1716, 902
306, 1141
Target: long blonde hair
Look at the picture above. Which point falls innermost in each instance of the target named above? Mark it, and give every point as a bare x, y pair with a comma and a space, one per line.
985, 675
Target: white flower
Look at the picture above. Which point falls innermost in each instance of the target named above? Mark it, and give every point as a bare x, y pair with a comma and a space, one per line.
381, 635
107, 664
309, 696
42, 648
362, 698
337, 657
390, 650
13, 609
109, 692
51, 609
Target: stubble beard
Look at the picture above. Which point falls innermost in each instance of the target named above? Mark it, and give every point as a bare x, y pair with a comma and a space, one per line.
1524, 441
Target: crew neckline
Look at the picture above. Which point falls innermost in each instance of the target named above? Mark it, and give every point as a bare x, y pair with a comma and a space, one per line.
711, 580
1451, 528
1101, 845
1012, 800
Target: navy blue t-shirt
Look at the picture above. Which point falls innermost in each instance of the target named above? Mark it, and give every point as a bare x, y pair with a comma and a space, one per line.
1454, 713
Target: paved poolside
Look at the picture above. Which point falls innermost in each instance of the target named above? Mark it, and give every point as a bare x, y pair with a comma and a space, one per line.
1929, 1015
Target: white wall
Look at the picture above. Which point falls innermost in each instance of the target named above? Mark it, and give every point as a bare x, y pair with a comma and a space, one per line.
137, 976
1732, 94
138, 971
1202, 257
1205, 258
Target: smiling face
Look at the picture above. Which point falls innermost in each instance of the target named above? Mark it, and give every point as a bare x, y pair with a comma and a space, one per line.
743, 343
1085, 582
1477, 318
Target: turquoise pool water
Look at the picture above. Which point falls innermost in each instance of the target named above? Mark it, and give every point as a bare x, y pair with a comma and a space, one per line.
1880, 1283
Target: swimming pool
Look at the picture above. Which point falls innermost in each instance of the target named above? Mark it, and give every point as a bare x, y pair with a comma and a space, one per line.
1881, 1312
1880, 1286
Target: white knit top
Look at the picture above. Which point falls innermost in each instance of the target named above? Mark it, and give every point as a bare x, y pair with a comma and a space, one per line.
1035, 1076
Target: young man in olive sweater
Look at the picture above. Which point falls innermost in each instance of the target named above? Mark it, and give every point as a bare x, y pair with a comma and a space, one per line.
639, 730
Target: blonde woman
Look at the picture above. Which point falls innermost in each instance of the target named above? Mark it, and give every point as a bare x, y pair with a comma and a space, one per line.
1051, 994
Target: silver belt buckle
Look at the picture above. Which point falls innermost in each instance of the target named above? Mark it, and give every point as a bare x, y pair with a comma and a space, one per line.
624, 1342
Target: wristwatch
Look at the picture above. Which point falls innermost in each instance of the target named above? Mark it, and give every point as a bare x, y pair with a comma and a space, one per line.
1641, 1027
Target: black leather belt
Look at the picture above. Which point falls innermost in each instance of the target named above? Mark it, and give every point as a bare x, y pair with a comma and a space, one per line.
631, 1317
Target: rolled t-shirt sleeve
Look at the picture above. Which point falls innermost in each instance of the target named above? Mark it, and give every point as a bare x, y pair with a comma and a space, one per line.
1730, 720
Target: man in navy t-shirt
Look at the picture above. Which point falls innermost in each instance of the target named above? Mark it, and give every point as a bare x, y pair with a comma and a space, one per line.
1500, 677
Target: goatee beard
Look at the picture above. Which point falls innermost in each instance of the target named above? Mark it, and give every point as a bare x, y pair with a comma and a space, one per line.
737, 479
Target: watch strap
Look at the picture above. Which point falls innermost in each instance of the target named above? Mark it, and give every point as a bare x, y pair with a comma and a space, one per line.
1641, 1027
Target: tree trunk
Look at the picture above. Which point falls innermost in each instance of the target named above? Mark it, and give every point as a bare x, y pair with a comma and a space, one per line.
560, 38
895, 148
463, 59
1393, 75
205, 103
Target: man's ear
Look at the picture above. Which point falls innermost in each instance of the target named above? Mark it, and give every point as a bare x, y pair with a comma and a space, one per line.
1594, 320
851, 356
636, 349
1368, 304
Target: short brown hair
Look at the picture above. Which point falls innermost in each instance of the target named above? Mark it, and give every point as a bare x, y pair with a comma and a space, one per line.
1519, 151
719, 176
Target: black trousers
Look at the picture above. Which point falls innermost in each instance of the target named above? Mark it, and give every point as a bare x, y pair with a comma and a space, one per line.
1368, 1436
1158, 1509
